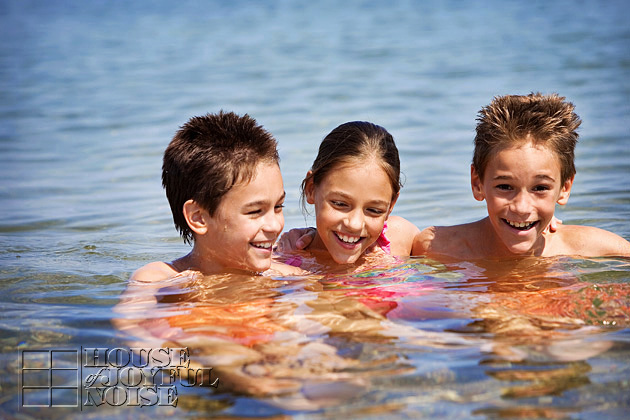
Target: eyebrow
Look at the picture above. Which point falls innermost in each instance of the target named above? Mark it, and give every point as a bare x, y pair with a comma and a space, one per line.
375, 202
540, 177
263, 202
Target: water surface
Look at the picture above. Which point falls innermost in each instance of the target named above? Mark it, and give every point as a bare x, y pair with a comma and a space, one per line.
93, 91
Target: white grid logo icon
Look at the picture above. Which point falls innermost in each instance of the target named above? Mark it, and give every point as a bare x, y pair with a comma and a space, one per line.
49, 378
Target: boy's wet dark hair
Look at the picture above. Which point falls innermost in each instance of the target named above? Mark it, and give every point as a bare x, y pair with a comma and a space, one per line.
208, 156
513, 120
356, 140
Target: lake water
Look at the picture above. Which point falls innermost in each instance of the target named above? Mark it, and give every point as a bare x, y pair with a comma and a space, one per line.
92, 92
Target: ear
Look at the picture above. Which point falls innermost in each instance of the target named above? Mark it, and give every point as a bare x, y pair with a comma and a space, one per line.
309, 188
195, 216
565, 191
391, 206
476, 184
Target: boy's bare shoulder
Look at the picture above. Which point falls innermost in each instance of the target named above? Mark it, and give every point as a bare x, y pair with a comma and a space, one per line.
588, 241
154, 271
445, 240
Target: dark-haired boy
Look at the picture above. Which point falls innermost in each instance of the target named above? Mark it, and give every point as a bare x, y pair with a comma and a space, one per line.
223, 183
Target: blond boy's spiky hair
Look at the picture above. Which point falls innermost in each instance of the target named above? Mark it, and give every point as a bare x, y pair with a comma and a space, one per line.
512, 120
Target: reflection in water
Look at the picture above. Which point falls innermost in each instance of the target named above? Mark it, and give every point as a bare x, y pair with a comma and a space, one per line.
285, 339
320, 341
539, 316
543, 381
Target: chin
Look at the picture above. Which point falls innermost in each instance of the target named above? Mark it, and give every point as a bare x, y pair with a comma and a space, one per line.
260, 266
346, 259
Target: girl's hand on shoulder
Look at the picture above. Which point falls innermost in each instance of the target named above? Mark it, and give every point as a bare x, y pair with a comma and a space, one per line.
296, 239
553, 225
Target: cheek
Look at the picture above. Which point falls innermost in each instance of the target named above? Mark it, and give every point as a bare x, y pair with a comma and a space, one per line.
493, 201
324, 220
375, 226
325, 211
549, 206
244, 228
279, 217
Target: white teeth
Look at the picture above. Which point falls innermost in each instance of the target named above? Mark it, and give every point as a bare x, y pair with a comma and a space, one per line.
263, 245
348, 239
519, 224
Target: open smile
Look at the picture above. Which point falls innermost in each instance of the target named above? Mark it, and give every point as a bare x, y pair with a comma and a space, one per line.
262, 245
348, 241
523, 226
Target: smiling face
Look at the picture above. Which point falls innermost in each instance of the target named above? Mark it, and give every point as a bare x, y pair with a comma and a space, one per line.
246, 224
352, 203
521, 187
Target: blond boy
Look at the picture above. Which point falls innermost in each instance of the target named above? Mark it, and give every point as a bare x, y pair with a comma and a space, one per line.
523, 165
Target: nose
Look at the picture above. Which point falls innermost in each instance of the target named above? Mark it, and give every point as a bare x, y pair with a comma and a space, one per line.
354, 220
274, 222
521, 204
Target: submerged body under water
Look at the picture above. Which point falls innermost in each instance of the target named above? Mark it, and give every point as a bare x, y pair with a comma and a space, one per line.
528, 337
532, 337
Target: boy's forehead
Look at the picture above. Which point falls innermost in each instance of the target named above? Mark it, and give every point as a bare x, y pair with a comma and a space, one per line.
263, 184
249, 173
522, 145
524, 151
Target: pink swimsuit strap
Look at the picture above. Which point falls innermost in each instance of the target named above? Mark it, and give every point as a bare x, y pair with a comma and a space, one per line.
383, 242
294, 260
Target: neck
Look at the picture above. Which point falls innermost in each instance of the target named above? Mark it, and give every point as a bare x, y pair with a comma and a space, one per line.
491, 246
198, 260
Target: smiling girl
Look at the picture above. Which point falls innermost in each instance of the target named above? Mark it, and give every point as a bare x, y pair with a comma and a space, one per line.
353, 185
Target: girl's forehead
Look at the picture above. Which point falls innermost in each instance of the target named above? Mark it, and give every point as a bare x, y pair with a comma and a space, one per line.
356, 166
358, 171
357, 181
354, 162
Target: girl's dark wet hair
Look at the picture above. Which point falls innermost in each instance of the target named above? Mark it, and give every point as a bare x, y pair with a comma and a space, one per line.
208, 156
352, 141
